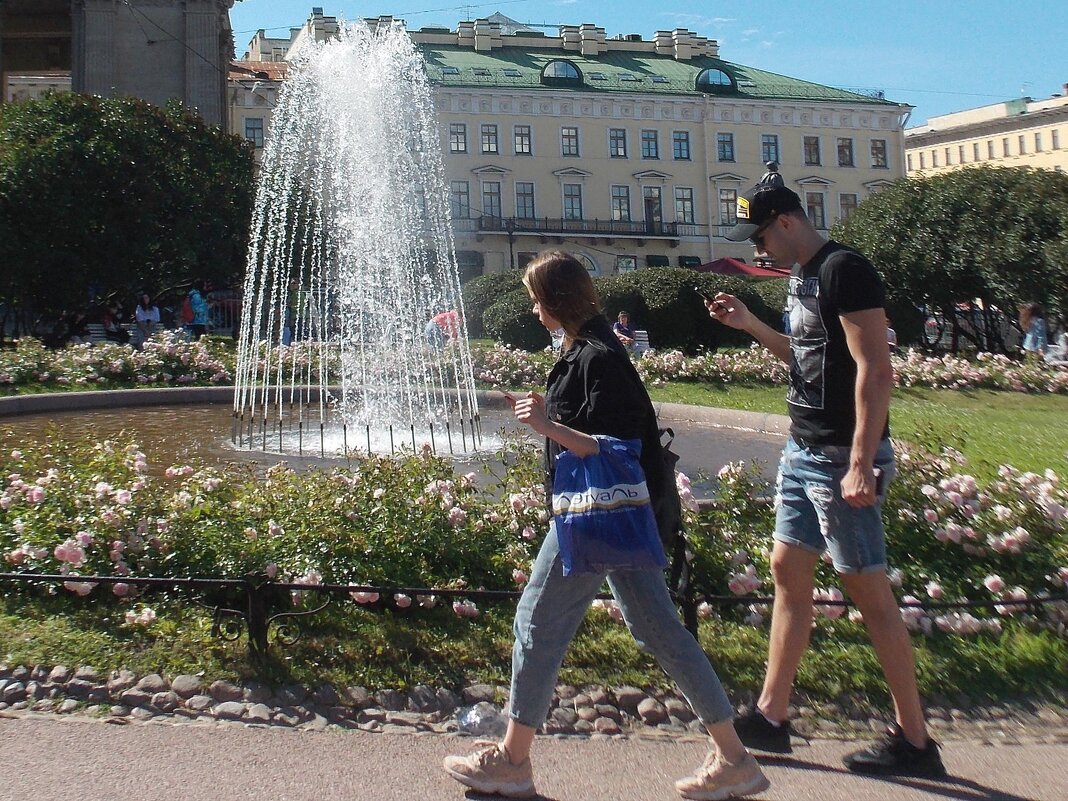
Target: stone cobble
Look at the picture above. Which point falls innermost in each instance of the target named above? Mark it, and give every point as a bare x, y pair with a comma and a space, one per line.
122, 697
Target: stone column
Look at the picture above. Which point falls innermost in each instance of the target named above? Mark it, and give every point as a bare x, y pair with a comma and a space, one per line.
93, 62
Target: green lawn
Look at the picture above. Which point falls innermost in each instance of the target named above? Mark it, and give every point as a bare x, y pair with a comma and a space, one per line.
990, 428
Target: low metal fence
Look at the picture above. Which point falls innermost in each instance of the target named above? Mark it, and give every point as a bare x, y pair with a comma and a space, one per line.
260, 603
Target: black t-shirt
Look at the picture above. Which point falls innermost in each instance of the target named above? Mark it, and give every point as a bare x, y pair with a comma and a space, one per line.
823, 373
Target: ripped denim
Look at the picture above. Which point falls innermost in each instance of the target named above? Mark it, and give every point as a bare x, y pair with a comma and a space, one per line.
810, 512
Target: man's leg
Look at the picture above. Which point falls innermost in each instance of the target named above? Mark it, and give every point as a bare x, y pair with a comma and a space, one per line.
791, 623
872, 594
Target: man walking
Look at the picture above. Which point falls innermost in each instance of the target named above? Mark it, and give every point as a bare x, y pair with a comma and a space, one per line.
833, 473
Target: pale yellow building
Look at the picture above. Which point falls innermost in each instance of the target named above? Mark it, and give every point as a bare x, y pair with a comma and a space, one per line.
1016, 133
628, 152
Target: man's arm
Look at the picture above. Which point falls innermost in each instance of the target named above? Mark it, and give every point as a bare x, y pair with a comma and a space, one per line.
730, 311
865, 333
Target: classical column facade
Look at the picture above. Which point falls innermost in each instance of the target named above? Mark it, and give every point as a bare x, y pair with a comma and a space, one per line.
157, 50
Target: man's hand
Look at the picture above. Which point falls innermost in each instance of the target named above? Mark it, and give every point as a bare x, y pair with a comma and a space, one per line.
728, 310
859, 486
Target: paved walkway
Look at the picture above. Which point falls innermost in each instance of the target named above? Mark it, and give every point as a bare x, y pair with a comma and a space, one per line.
51, 757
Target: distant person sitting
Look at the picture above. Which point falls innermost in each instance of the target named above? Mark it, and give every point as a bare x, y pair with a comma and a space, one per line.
623, 330
113, 330
147, 316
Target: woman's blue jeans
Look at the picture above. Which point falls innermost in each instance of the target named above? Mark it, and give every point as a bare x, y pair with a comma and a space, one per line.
552, 608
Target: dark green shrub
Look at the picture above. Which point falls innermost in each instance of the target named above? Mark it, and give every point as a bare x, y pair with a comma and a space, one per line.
510, 321
482, 292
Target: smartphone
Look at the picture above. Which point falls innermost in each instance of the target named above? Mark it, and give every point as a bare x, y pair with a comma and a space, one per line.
704, 294
508, 396
880, 482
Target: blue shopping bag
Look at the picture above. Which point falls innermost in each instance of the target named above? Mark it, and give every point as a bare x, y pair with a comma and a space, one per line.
603, 515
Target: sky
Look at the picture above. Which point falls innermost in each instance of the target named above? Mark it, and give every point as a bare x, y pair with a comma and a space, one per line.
939, 56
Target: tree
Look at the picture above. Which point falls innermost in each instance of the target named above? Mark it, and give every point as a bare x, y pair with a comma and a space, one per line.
113, 196
996, 235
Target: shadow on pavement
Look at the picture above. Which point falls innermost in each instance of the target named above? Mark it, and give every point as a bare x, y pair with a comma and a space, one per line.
949, 787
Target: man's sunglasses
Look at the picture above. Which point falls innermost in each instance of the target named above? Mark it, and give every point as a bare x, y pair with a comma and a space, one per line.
757, 239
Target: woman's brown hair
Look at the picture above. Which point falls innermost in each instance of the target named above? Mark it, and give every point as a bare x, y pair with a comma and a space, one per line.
561, 285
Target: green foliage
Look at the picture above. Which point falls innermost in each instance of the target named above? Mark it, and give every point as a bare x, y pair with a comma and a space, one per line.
998, 234
482, 292
660, 300
510, 321
117, 195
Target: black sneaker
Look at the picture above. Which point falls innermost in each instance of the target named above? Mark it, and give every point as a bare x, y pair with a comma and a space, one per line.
755, 731
896, 756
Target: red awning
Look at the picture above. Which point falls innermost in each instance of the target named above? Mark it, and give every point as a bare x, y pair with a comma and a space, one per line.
729, 266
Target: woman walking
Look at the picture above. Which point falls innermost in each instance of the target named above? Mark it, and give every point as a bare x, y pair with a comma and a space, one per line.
594, 390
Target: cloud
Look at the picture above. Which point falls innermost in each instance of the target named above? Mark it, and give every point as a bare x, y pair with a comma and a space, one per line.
697, 21
750, 31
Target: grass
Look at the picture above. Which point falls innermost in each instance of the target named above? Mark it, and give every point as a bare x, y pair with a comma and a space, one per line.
353, 646
989, 428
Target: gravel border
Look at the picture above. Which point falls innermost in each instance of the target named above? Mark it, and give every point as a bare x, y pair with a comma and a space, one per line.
122, 696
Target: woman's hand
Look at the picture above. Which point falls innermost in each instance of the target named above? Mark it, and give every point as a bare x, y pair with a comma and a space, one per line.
530, 410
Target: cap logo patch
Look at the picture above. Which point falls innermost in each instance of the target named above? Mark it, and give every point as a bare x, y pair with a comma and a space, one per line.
743, 208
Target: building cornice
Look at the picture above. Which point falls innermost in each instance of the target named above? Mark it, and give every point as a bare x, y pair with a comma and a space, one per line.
976, 130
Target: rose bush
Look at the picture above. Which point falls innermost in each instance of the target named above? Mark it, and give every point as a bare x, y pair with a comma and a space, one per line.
85, 509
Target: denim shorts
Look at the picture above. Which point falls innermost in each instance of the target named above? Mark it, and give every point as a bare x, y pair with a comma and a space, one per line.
811, 514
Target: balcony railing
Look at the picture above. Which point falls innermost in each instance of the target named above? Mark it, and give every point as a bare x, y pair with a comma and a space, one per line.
560, 226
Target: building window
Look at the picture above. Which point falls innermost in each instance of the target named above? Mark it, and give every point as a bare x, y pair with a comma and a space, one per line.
990, 148
621, 203
684, 205
812, 151
725, 147
1005, 146
254, 130
1055, 139
617, 143
680, 145
845, 152
817, 214
460, 200
457, 137
908, 161
524, 200
650, 145
960, 154
923, 161
491, 199
489, 138
1021, 140
847, 204
728, 206
769, 148
1038, 141
879, 158
934, 158
569, 141
949, 157
975, 151
626, 264
523, 142
572, 201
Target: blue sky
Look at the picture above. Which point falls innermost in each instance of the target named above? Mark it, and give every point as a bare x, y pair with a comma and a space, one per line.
937, 55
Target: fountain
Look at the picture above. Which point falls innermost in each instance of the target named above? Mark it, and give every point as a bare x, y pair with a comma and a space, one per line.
350, 254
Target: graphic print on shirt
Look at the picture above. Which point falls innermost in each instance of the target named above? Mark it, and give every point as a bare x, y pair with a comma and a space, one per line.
808, 344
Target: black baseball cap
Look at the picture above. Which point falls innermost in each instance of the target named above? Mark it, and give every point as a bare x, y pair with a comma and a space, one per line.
759, 205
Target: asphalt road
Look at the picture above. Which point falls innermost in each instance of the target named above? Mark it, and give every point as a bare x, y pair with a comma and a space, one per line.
53, 757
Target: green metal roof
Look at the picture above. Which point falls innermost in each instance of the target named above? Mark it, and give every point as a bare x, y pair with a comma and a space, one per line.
624, 72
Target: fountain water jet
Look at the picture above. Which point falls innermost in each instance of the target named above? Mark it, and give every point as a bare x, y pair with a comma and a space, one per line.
351, 251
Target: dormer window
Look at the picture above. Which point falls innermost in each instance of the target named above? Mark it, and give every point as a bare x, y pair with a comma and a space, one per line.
561, 73
716, 81
450, 71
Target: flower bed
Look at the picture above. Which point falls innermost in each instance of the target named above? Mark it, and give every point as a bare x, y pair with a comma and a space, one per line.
87, 509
